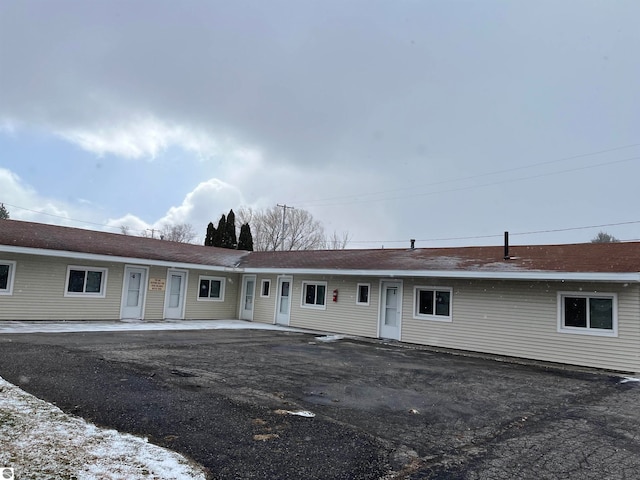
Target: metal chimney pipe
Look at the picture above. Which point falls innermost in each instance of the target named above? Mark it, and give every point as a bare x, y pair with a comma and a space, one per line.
506, 246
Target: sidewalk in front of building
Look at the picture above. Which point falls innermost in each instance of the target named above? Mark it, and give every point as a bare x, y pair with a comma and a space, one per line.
134, 325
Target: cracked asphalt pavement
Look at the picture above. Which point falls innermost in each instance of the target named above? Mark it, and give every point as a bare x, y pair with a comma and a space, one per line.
382, 410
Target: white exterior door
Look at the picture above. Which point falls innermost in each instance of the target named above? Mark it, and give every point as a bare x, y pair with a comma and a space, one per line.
248, 296
174, 295
133, 292
390, 309
283, 302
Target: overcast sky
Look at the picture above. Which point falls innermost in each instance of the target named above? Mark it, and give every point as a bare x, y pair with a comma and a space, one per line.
444, 121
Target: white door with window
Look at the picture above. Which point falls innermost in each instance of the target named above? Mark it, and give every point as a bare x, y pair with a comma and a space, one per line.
133, 292
175, 293
390, 309
283, 301
248, 296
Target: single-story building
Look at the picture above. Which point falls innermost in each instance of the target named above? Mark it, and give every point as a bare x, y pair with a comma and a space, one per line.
576, 304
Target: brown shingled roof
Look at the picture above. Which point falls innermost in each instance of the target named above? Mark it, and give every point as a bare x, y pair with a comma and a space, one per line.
52, 237
582, 257
605, 258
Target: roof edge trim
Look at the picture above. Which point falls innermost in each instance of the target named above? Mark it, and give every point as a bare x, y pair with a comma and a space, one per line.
462, 274
114, 258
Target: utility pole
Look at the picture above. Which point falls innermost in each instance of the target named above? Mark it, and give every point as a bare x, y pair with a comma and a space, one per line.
284, 214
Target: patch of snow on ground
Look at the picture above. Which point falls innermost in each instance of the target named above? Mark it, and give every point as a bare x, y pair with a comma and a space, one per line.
38, 440
629, 379
299, 413
332, 338
134, 325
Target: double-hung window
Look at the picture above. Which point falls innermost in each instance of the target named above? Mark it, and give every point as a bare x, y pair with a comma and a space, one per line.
211, 289
432, 303
85, 281
7, 269
589, 314
314, 294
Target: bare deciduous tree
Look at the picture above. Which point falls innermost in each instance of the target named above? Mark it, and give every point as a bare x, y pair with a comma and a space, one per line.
245, 215
299, 231
336, 241
302, 231
180, 232
267, 229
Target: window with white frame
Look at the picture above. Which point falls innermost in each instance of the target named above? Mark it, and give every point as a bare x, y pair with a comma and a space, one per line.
7, 269
314, 294
590, 314
433, 303
86, 281
265, 288
211, 289
363, 294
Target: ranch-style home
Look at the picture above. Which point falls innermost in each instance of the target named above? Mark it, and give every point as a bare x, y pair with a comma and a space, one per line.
574, 304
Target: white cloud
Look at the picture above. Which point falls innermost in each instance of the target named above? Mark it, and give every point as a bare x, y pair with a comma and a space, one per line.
11, 185
134, 224
8, 126
16, 193
141, 137
204, 204
24, 203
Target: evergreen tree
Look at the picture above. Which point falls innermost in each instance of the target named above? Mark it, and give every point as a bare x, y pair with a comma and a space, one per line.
4, 213
211, 233
219, 235
230, 236
245, 242
604, 237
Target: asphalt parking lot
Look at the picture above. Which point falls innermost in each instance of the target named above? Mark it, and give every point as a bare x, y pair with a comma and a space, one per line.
382, 410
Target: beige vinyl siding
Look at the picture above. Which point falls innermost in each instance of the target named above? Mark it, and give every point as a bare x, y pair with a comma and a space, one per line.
39, 288
520, 319
343, 316
264, 308
39, 291
210, 310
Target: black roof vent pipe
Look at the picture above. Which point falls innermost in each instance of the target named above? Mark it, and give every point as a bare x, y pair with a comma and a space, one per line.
506, 246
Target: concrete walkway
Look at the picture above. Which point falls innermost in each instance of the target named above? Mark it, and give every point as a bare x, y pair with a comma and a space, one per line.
134, 325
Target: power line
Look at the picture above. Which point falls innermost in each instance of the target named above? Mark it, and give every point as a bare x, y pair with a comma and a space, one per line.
478, 237
471, 187
314, 203
65, 218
